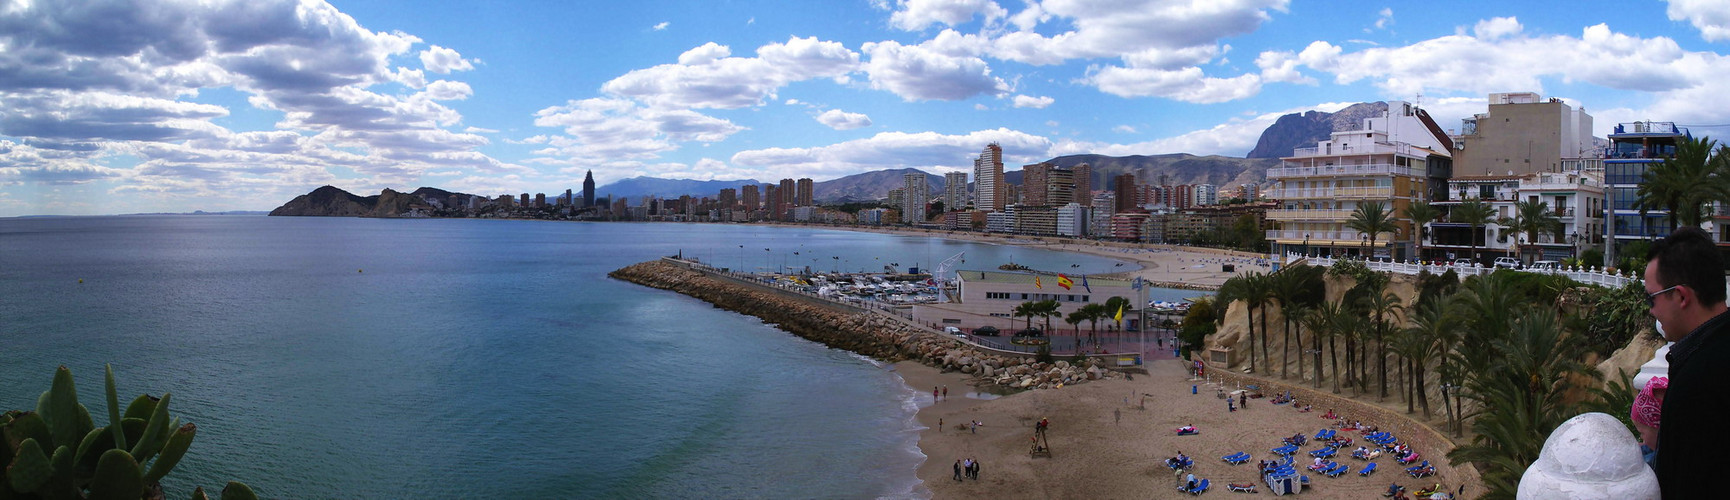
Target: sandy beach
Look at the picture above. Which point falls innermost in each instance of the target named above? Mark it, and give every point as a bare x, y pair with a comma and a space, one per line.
1108, 439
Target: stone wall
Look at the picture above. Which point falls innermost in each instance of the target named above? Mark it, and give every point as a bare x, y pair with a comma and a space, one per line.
1432, 444
866, 333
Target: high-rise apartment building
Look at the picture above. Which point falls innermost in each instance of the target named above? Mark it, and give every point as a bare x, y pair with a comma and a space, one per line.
1319, 187
1083, 179
1035, 183
1124, 186
1635, 148
804, 198
1206, 194
954, 191
988, 189
915, 195
771, 201
789, 197
1047, 185
589, 189
729, 198
752, 201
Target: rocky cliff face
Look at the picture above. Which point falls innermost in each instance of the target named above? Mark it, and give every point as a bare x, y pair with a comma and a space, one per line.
1306, 129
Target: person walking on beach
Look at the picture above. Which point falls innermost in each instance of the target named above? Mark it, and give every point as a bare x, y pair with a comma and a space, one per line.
957, 470
934, 394
975, 470
940, 425
946, 393
1243, 400
1684, 284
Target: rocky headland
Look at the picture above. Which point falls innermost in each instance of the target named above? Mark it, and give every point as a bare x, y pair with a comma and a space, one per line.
871, 334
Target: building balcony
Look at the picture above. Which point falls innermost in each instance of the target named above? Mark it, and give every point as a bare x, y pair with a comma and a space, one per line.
1311, 214
1332, 193
1372, 169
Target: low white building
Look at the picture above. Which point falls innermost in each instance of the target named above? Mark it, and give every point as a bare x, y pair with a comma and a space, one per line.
1072, 220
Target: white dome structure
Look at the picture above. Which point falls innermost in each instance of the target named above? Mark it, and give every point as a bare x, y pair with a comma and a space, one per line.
1591, 456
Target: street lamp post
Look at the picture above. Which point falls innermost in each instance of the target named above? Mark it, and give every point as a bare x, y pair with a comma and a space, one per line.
1364, 246
1574, 245
1306, 245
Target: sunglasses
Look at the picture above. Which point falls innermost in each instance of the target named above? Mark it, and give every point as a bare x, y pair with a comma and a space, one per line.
1652, 298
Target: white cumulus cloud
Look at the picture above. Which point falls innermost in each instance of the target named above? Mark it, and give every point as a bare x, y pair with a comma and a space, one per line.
1025, 101
842, 120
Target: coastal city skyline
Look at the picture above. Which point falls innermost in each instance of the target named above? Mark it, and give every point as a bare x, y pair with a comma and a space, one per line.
175, 107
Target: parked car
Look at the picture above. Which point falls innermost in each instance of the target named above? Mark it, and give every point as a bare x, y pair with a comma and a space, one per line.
989, 331
952, 330
1464, 263
1544, 265
1507, 263
1030, 332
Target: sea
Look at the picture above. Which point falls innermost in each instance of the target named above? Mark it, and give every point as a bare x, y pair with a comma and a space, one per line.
459, 358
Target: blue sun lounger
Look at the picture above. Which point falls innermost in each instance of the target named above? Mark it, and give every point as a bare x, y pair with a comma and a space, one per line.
1199, 488
1236, 458
1368, 469
1337, 470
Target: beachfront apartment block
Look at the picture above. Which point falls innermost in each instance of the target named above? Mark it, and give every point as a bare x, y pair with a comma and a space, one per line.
1034, 220
1072, 220
1635, 148
915, 194
988, 189
1391, 159
954, 191
1574, 198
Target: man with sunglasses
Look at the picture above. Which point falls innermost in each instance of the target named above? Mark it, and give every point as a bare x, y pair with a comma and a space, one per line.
1685, 291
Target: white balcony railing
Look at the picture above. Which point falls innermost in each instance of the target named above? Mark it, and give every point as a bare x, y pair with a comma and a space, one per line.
1587, 275
1313, 214
1341, 170
1331, 193
1321, 236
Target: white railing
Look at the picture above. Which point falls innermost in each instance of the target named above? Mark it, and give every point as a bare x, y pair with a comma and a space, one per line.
1587, 275
1320, 236
1337, 192
1309, 214
1364, 169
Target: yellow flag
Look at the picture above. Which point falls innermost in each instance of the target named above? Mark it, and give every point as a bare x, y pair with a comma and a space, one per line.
1037, 284
1119, 317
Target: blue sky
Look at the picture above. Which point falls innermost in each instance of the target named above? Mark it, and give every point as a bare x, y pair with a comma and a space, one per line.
170, 105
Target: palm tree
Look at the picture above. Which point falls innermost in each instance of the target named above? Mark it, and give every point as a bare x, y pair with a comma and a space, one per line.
1431, 334
1345, 321
1684, 183
1113, 305
1421, 212
1025, 309
1093, 313
1380, 304
1240, 288
1074, 319
1047, 309
1295, 288
1320, 322
1476, 213
1260, 294
1533, 217
1522, 397
1372, 218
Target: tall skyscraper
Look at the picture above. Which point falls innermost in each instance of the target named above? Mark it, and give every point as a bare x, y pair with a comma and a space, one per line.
752, 201
589, 189
729, 198
1083, 184
568, 200
916, 193
789, 195
1126, 192
772, 201
955, 191
1035, 183
988, 179
804, 197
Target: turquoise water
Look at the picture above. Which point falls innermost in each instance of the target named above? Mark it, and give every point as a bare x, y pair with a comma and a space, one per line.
369, 358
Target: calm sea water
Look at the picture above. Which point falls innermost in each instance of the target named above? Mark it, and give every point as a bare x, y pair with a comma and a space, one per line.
368, 358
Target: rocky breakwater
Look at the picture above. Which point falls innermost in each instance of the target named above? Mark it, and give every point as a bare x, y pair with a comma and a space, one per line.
870, 334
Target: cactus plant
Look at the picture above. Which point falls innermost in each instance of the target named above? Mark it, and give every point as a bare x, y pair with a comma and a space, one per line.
57, 451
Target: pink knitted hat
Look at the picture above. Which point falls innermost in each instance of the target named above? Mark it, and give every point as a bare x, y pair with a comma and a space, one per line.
1648, 406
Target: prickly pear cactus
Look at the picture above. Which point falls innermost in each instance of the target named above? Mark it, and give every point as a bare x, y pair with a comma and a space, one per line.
57, 451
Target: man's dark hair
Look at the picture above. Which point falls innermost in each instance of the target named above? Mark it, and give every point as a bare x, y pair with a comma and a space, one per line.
1688, 257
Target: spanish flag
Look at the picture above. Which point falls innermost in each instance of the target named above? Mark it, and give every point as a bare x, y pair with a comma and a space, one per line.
1119, 317
1037, 283
1064, 282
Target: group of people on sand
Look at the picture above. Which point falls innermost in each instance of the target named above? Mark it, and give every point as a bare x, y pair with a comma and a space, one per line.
968, 468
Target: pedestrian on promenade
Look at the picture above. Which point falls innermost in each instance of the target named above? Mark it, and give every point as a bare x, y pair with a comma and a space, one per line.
1684, 284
